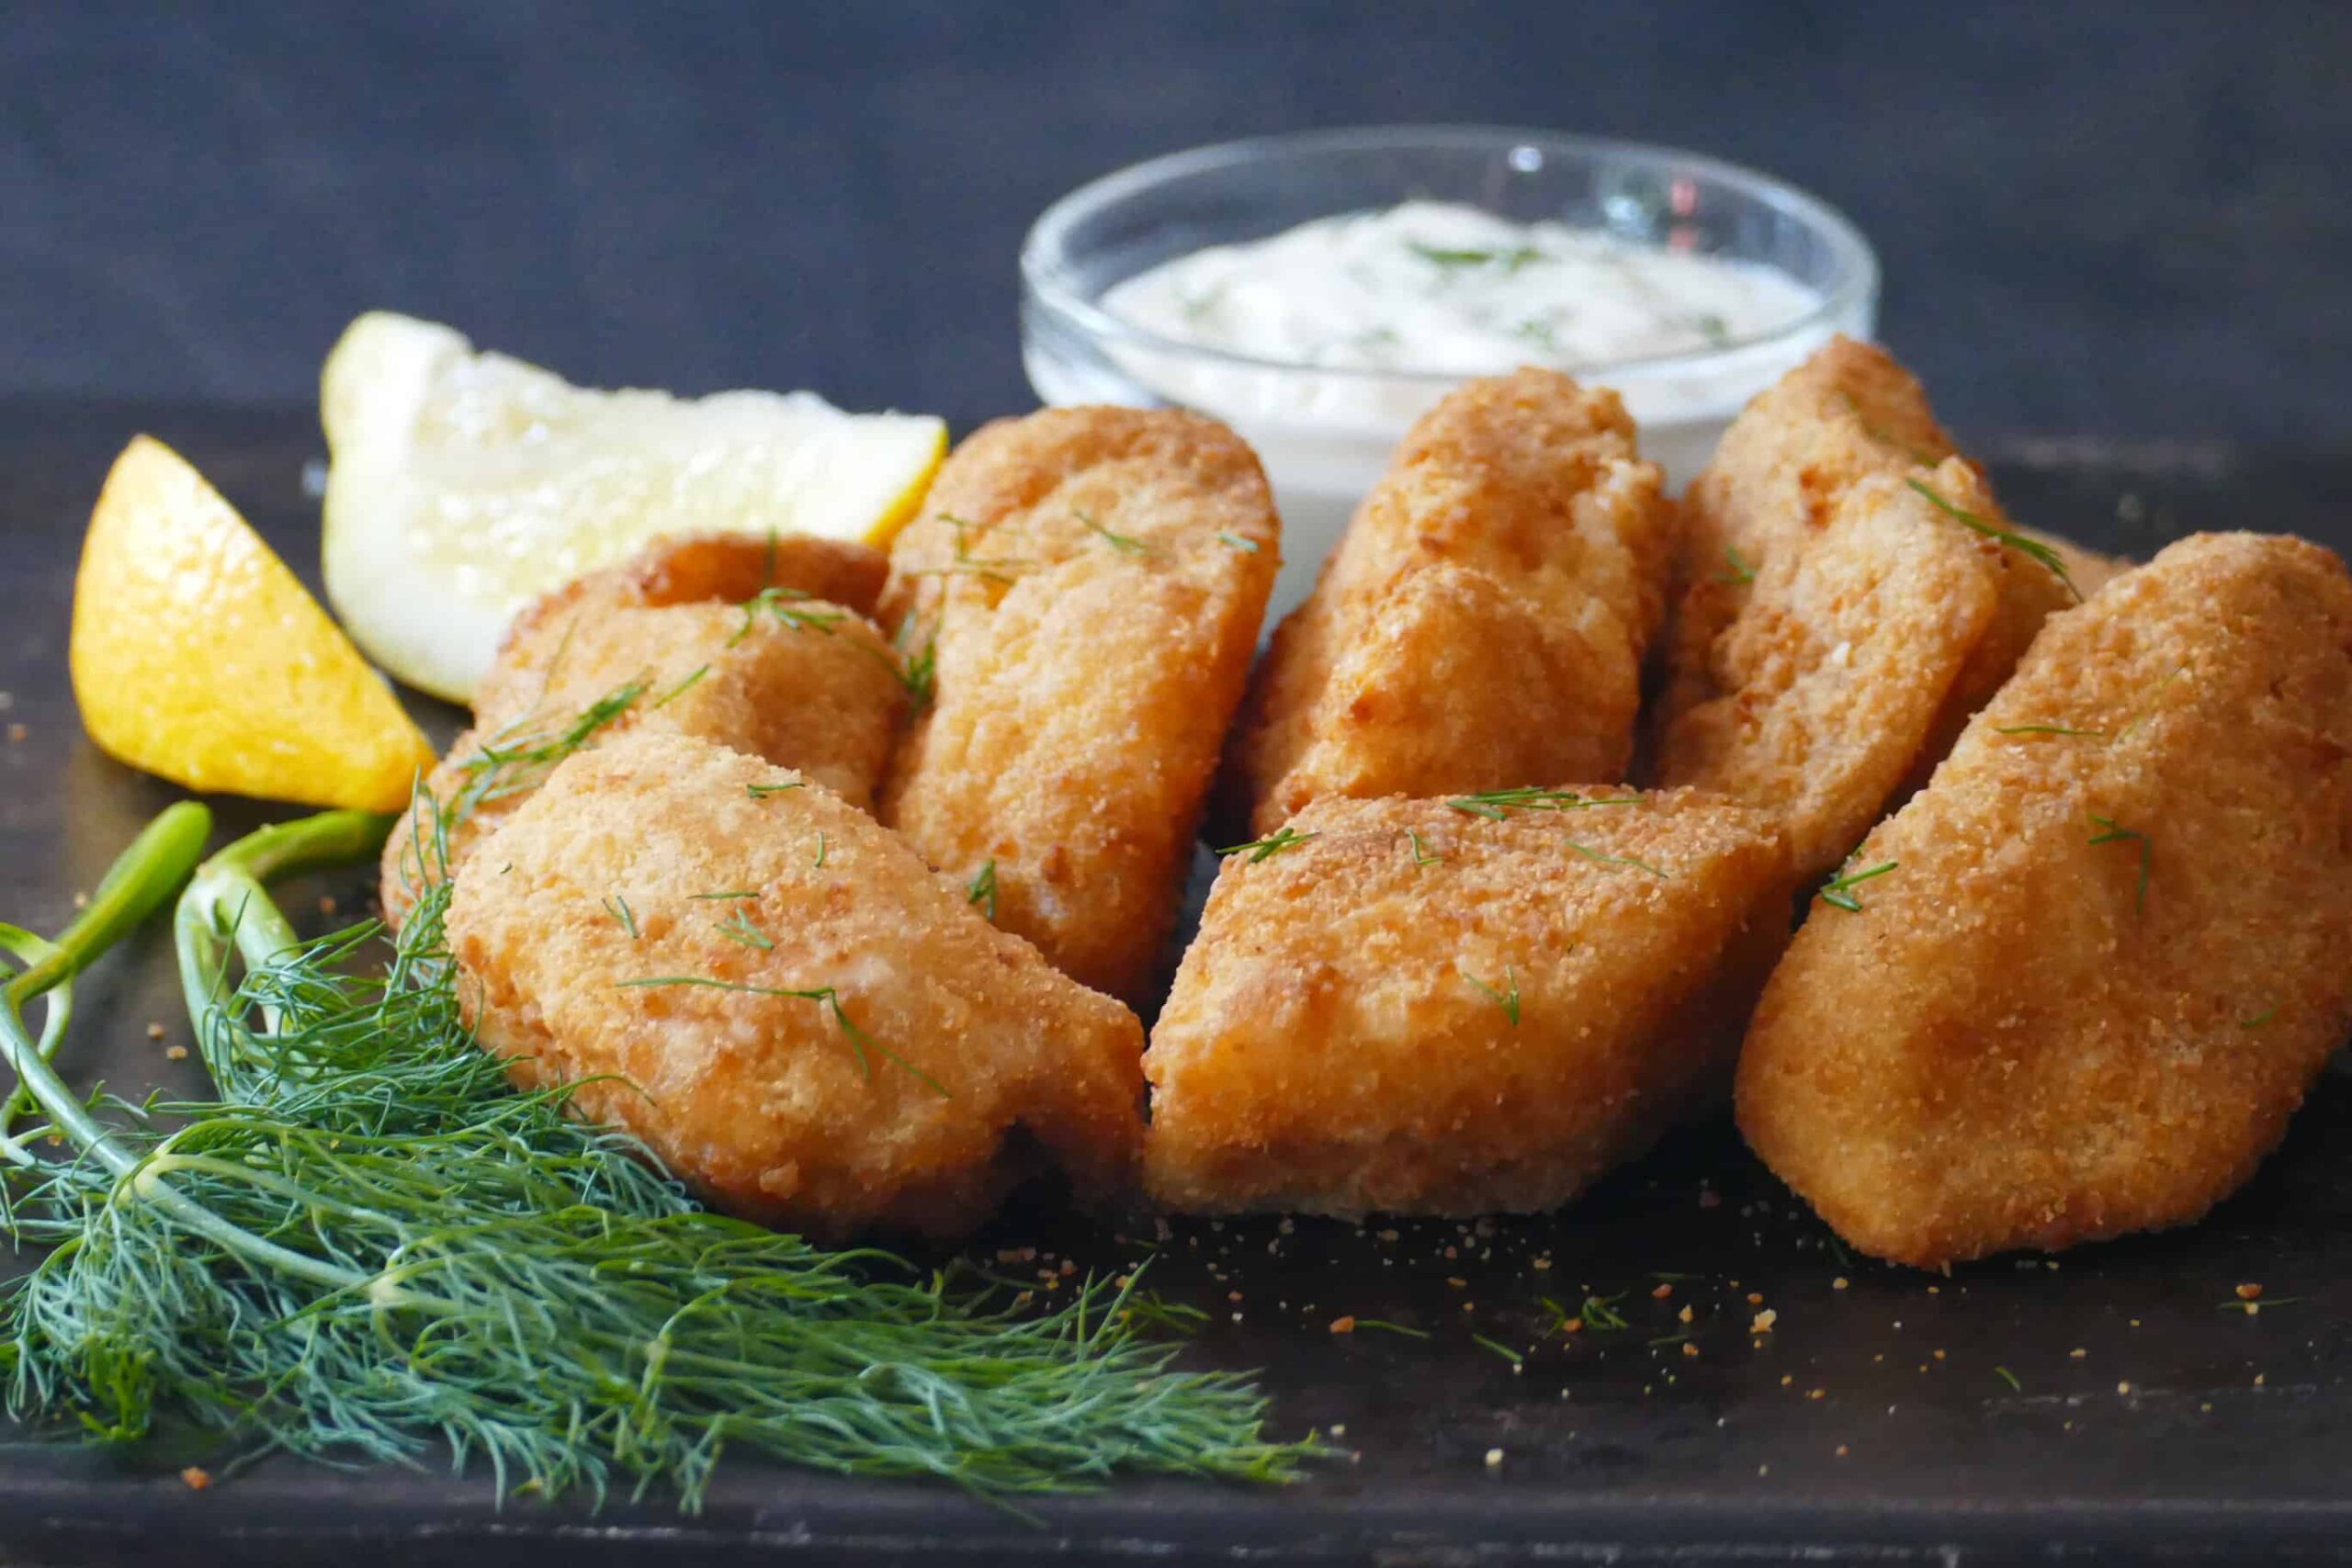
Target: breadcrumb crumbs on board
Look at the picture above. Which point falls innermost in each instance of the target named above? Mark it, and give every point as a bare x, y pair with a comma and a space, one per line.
1343, 1326
1493, 1459
154, 1031
16, 732
1764, 1322
2248, 1293
176, 1053
1839, 1283
195, 1478
1661, 1293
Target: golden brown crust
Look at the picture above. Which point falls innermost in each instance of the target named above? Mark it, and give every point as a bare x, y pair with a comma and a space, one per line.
1482, 623
1090, 582
1341, 1037
690, 569
761, 1100
2011, 1044
799, 682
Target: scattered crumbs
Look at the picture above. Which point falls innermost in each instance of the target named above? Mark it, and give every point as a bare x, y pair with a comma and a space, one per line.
1450, 1254
1839, 1283
1685, 1315
1756, 1298
1689, 1350
2205, 1408
1285, 1227
1458, 1282
1493, 1459
154, 1031
1787, 1378
1388, 1235
1237, 1317
1935, 1290
8, 701
326, 904
1233, 1296
1338, 1428
1940, 1354
2136, 1323
1542, 1263
1342, 1325
1764, 1322
81, 900
176, 1053
1841, 1450
2077, 1353
2123, 1388
1068, 1268
2258, 1379
1763, 1470
16, 732
195, 1478
1661, 1293
1818, 1394
2249, 1292
1161, 1230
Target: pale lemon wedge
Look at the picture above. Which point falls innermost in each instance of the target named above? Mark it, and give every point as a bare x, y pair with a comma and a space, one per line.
197, 656
461, 485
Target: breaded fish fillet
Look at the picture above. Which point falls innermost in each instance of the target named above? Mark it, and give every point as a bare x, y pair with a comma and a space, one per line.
1483, 622
813, 1027
790, 678
1088, 584
2107, 955
1847, 604
1448, 1008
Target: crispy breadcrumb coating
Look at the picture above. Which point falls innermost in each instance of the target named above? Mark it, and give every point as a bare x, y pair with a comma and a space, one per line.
907, 1093
1087, 584
1418, 1008
1483, 620
783, 675
2111, 956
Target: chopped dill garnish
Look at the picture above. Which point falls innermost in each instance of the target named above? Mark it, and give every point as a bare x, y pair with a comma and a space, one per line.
1505, 997
618, 907
2009, 1378
738, 927
821, 850
981, 889
1386, 1326
1247, 547
825, 996
922, 676
2048, 729
1600, 1311
1710, 326
1422, 854
778, 602
2147, 709
1736, 572
1497, 803
1677, 1338
1496, 1346
2034, 548
731, 893
1510, 260
1125, 544
1837, 892
513, 762
2259, 1019
1149, 1309
2255, 1306
1288, 838
2110, 834
1599, 859
682, 687
761, 792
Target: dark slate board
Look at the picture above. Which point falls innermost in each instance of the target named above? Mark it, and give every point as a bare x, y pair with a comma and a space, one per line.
1877, 1422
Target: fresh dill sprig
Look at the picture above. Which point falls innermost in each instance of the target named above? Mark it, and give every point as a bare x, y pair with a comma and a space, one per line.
1385, 1326
921, 675
1500, 1349
2009, 1378
682, 687
1149, 1309
1598, 858
825, 996
1126, 545
2034, 549
1837, 892
1495, 805
1422, 854
1449, 258
1286, 838
2048, 729
761, 791
1601, 1313
981, 889
1710, 326
1505, 996
738, 927
2109, 833
1736, 572
618, 907
1236, 541
780, 603
723, 895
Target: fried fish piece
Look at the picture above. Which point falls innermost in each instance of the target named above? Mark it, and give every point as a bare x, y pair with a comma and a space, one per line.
1847, 603
789, 677
2098, 960
1443, 1008
803, 1020
1483, 620
1087, 585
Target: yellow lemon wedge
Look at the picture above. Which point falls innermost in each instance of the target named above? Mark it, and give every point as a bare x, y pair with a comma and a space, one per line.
199, 656
462, 485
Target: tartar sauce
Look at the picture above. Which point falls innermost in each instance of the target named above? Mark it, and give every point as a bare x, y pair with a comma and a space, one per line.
1439, 287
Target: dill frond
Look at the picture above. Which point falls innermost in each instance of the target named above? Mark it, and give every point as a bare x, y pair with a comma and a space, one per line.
1126, 545
981, 889
1736, 572
1495, 805
1287, 838
2109, 833
1837, 892
1422, 854
2034, 549
1505, 996
1598, 858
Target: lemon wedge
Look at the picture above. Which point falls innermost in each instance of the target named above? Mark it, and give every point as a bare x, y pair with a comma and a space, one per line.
197, 656
462, 485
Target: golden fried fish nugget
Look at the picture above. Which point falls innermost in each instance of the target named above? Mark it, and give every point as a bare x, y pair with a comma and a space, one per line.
1451, 1008
2078, 984
1484, 621
797, 1015
1087, 585
786, 677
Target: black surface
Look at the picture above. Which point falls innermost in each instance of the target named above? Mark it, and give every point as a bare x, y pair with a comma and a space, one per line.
2118, 216
1876, 1422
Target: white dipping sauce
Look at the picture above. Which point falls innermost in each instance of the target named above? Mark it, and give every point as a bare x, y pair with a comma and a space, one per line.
1358, 322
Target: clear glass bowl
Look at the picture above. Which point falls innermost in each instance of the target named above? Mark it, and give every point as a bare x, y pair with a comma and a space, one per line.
1325, 434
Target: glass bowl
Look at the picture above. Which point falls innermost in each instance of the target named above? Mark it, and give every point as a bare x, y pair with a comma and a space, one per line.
1325, 432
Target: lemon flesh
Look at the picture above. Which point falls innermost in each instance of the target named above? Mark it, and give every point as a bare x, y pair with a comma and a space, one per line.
462, 485
197, 656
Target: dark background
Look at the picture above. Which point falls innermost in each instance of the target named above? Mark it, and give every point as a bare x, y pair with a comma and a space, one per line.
2121, 220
